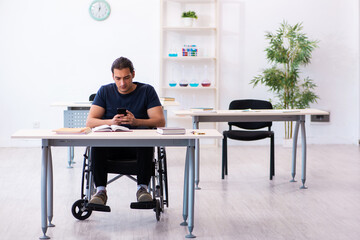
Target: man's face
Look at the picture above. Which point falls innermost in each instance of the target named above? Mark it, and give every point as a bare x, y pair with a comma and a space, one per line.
123, 80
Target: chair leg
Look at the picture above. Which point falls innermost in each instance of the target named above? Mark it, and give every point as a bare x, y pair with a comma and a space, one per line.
272, 157
224, 158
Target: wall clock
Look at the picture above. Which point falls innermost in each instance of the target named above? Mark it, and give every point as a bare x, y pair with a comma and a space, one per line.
99, 10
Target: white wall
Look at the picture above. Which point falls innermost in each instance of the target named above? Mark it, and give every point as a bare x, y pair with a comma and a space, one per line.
54, 51
334, 67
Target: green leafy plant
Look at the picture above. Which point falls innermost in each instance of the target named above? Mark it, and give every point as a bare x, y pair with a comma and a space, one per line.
189, 14
289, 49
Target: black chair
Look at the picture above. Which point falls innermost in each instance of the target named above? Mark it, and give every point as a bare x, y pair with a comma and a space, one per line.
91, 97
249, 134
81, 209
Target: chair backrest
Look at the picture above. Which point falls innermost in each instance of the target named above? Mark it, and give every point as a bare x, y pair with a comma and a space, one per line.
91, 97
252, 104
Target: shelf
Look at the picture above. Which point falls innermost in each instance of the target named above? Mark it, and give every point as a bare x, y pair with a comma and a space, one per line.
205, 35
189, 88
190, 1
189, 28
189, 58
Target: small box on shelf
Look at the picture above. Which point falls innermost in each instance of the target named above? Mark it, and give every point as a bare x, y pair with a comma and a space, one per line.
189, 51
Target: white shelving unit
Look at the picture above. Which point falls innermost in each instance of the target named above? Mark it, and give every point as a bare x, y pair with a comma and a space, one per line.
194, 69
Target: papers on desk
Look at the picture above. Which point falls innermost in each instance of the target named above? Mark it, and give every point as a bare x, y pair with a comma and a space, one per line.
83, 130
271, 110
202, 109
250, 110
290, 110
171, 130
167, 99
282, 110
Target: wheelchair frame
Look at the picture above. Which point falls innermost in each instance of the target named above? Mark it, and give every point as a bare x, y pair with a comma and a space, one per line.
158, 187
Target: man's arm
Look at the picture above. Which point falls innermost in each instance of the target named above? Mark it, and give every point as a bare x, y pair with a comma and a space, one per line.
95, 115
156, 118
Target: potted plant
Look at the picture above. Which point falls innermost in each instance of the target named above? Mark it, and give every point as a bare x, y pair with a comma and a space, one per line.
188, 18
289, 49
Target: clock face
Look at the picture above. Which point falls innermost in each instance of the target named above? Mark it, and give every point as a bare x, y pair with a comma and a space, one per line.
99, 10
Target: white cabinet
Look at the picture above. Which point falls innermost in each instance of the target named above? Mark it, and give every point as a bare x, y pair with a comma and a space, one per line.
191, 74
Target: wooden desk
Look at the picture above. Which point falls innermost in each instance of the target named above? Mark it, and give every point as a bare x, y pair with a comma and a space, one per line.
137, 138
297, 115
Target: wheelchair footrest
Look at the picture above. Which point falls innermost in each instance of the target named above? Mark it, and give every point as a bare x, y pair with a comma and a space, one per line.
143, 205
98, 207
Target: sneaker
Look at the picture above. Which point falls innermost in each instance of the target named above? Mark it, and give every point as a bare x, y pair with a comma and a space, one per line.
99, 198
143, 196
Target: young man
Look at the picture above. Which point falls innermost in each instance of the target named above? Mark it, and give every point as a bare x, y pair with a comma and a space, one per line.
143, 110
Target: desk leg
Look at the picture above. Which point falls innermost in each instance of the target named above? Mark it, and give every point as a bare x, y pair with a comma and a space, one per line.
191, 191
165, 115
294, 148
197, 157
186, 189
303, 148
44, 165
70, 157
197, 164
50, 189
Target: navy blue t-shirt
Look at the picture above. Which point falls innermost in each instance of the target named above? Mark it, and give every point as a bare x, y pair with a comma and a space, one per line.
137, 102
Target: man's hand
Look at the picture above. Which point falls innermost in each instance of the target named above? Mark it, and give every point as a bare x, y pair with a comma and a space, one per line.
120, 119
156, 118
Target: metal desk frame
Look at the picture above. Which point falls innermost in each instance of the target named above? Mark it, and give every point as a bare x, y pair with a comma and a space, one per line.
300, 121
297, 115
139, 140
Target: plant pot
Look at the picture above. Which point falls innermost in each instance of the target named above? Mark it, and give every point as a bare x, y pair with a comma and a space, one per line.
287, 142
188, 22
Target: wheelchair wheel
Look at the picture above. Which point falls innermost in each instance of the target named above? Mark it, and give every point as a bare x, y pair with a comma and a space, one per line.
79, 211
158, 210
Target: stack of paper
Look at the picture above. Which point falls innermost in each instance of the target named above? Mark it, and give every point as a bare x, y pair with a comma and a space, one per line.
202, 109
167, 99
83, 130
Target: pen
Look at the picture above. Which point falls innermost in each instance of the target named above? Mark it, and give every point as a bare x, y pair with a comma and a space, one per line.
198, 133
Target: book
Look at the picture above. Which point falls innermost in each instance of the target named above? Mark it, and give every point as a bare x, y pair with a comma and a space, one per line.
170, 130
202, 109
111, 128
83, 130
167, 99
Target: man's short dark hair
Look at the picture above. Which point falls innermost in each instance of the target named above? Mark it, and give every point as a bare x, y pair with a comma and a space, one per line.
121, 63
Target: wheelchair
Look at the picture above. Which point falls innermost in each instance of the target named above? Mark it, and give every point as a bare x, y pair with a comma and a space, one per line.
158, 186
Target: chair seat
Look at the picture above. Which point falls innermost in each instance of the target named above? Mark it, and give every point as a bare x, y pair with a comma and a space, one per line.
122, 166
247, 135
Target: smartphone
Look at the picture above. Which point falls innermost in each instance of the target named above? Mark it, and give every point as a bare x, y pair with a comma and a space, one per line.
121, 111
